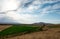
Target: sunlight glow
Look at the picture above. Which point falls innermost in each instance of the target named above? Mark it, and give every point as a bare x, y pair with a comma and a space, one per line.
9, 5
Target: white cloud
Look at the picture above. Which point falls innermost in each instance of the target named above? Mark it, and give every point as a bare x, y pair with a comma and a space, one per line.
28, 14
45, 11
51, 21
9, 5
21, 18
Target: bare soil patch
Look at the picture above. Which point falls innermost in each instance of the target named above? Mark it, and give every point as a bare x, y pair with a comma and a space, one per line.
2, 27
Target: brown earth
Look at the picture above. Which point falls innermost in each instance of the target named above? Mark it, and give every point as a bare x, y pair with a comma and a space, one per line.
2, 27
53, 33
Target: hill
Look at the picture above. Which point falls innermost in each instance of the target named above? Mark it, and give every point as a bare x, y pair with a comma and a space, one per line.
53, 31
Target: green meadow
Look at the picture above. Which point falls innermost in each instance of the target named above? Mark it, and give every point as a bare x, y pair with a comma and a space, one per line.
22, 29
16, 29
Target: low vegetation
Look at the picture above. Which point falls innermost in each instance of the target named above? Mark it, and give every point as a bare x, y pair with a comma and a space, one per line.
17, 30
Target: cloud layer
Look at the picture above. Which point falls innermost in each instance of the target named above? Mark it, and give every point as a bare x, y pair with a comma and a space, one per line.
29, 11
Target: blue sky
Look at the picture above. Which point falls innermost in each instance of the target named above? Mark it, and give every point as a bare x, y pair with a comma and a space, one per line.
29, 11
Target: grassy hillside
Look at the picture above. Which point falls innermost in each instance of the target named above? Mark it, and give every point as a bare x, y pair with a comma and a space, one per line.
18, 29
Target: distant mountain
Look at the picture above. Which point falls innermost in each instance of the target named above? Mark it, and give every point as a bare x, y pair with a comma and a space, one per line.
42, 23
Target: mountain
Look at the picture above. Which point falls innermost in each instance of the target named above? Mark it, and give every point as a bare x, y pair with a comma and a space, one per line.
43, 24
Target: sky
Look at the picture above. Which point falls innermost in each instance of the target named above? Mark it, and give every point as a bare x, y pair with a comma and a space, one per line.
29, 11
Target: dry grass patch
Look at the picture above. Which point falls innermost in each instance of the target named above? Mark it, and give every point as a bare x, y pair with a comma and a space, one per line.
49, 34
2, 27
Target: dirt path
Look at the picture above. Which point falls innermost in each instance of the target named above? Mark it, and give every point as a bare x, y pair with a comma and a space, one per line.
2, 27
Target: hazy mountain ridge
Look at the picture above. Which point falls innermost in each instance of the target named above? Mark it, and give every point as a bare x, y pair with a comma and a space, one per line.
43, 23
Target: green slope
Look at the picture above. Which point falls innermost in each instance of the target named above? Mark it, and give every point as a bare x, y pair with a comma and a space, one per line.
15, 29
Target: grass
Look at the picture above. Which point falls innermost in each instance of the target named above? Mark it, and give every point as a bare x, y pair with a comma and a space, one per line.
22, 29
18, 29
